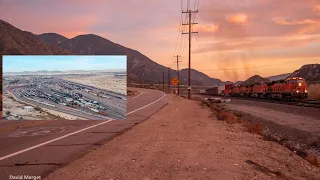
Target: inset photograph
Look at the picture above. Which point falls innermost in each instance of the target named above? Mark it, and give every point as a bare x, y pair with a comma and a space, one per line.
64, 87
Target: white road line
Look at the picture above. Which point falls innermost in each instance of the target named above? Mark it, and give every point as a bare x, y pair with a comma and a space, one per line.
163, 95
76, 132
136, 96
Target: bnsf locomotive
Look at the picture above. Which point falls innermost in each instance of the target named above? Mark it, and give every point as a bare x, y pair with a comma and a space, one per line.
285, 89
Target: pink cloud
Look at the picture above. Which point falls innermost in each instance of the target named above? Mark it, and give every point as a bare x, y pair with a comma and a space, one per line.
261, 17
261, 43
238, 19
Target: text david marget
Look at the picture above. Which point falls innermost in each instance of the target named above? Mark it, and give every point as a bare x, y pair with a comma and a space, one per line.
25, 177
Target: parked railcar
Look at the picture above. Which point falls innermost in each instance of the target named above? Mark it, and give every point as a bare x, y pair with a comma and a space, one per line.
103, 113
212, 91
285, 89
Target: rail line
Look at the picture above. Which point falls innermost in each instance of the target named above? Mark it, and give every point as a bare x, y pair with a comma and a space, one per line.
309, 103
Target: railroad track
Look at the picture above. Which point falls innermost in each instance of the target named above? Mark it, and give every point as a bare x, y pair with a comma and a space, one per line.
305, 103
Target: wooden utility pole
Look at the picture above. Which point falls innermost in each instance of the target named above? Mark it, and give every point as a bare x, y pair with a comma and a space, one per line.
163, 80
169, 78
177, 61
189, 33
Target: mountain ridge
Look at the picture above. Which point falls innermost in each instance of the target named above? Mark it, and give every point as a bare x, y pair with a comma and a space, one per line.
14, 41
139, 65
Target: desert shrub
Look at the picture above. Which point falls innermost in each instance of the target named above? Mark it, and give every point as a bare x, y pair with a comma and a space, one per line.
205, 104
228, 117
37, 108
253, 127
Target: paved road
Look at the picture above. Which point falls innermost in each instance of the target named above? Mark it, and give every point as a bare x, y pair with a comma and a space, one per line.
40, 147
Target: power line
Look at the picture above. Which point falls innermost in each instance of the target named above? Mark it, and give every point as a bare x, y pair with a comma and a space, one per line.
202, 48
177, 61
189, 12
163, 80
180, 29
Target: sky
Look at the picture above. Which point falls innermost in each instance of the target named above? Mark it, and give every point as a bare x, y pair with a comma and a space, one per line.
20, 63
236, 38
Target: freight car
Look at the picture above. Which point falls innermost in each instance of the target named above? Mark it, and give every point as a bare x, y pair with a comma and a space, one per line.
103, 113
284, 89
212, 91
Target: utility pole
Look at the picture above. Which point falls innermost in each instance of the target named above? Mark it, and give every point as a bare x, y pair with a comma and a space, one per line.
178, 72
163, 80
169, 78
190, 32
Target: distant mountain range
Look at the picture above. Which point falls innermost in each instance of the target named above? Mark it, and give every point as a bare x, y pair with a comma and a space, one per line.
138, 65
279, 77
254, 79
17, 42
14, 41
65, 72
310, 72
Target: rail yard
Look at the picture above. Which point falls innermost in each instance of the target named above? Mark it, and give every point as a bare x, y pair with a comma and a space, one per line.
60, 95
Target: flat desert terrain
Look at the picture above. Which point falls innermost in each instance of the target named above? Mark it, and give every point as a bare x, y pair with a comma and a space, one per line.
116, 84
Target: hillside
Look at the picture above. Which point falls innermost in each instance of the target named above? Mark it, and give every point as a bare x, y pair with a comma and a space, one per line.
279, 77
310, 72
13, 41
238, 83
198, 78
254, 79
52, 38
138, 65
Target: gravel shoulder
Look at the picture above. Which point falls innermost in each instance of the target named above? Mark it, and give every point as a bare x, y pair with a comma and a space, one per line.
295, 127
185, 141
294, 110
298, 121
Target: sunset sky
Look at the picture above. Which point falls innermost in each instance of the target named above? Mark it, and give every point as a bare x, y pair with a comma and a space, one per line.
237, 38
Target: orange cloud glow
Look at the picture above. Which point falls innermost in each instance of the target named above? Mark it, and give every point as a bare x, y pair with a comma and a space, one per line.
282, 21
207, 27
317, 9
239, 19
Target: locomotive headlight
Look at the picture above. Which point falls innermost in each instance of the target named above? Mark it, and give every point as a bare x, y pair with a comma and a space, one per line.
299, 84
305, 91
297, 91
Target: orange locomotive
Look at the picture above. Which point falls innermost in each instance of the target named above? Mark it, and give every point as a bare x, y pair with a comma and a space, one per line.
286, 89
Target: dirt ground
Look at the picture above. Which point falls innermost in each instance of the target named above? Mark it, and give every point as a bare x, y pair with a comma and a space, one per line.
300, 122
295, 127
109, 82
184, 141
17, 108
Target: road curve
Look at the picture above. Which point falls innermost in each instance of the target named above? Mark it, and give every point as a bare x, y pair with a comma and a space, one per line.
39, 147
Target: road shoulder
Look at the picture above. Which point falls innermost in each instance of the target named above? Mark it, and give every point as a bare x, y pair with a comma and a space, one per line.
184, 141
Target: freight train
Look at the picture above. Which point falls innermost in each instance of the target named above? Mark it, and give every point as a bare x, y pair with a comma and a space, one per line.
289, 88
